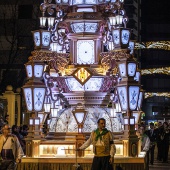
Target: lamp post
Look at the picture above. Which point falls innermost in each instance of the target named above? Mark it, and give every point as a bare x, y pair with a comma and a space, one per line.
42, 116
34, 91
34, 127
128, 90
79, 114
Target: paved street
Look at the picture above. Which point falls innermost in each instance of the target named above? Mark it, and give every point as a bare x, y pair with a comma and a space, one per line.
159, 165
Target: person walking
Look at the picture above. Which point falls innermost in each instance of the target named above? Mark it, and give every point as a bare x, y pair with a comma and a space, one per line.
10, 149
152, 134
103, 147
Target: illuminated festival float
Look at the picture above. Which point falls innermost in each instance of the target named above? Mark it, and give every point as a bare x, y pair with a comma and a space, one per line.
82, 68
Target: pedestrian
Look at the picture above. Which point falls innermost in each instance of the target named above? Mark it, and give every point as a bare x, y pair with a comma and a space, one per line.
15, 131
152, 134
145, 142
24, 131
159, 141
165, 134
6, 120
103, 147
10, 149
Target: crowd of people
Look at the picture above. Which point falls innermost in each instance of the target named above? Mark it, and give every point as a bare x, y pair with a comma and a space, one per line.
156, 136
12, 144
19, 131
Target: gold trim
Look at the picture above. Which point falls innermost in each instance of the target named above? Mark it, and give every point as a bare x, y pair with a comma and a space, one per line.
116, 54
163, 70
81, 160
58, 61
164, 45
151, 94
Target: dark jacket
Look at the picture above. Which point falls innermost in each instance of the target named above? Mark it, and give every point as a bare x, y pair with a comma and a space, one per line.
152, 136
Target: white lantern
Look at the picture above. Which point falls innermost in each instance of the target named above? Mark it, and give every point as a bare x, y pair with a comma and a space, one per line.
141, 94
112, 20
54, 109
119, 19
131, 46
35, 69
79, 114
34, 89
34, 96
137, 76
128, 96
127, 68
42, 39
42, 21
51, 21
47, 104
121, 37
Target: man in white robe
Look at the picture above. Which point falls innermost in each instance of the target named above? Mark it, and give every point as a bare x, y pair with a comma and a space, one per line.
10, 149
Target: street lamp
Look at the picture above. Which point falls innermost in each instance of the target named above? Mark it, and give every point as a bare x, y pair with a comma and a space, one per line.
34, 89
79, 114
120, 35
34, 93
128, 89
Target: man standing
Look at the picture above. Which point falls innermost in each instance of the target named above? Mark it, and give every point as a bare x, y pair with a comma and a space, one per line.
159, 141
10, 149
152, 134
145, 142
103, 147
